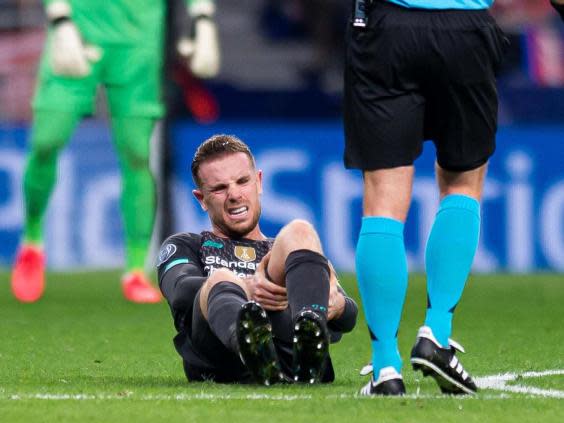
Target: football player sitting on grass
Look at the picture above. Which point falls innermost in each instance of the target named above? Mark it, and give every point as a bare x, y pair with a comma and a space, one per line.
249, 308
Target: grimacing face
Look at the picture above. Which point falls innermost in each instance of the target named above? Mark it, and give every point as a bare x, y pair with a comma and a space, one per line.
230, 194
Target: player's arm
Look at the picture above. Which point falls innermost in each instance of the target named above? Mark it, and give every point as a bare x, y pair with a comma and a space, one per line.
343, 310
346, 321
202, 49
68, 54
179, 271
343, 318
559, 6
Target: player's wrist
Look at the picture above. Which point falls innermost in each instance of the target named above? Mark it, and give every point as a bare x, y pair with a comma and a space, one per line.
336, 306
342, 303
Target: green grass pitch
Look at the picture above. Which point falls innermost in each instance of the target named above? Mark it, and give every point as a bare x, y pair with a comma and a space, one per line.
83, 354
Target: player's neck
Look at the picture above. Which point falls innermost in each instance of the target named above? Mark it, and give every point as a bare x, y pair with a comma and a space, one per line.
254, 235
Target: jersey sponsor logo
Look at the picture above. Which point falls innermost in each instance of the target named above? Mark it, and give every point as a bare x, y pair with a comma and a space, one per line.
220, 262
240, 274
210, 243
166, 252
245, 254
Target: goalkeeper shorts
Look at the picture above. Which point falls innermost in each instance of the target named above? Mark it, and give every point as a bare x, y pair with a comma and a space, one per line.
131, 77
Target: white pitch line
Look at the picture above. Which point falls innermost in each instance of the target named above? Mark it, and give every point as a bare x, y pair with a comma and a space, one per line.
159, 397
498, 382
227, 397
544, 373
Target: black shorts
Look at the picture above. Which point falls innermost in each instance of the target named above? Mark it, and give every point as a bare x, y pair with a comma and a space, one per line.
206, 358
413, 75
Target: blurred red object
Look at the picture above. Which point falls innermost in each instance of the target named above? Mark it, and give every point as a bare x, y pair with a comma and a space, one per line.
514, 14
201, 103
19, 57
544, 48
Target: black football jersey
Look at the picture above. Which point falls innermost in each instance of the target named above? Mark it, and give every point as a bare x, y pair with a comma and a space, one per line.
208, 252
200, 255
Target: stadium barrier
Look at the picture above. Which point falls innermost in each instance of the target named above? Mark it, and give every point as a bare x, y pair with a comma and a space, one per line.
523, 205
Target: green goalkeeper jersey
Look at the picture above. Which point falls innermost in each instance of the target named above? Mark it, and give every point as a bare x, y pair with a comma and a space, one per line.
121, 22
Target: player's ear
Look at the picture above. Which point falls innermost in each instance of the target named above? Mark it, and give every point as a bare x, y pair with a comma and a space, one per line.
199, 195
259, 181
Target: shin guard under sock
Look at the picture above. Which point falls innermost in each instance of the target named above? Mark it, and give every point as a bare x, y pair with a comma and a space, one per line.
307, 282
224, 302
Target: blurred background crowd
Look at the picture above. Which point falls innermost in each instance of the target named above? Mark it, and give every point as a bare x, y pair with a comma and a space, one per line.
284, 59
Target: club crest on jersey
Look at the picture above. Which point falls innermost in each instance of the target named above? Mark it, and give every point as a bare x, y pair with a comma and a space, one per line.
166, 252
245, 254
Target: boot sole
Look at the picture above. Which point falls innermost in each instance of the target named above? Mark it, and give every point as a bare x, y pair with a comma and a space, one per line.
254, 334
447, 384
310, 351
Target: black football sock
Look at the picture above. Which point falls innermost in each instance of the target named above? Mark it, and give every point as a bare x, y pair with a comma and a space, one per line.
307, 282
224, 302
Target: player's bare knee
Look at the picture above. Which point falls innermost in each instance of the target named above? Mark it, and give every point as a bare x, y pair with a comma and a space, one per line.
300, 234
222, 275
218, 276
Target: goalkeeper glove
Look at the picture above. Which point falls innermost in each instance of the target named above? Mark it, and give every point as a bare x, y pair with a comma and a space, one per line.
202, 50
69, 56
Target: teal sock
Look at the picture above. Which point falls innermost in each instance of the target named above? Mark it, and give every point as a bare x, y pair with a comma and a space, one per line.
448, 258
381, 267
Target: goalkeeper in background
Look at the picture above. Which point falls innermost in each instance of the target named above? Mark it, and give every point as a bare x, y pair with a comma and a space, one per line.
117, 44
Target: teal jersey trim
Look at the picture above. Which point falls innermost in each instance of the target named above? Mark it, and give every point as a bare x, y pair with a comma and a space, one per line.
210, 243
444, 4
174, 263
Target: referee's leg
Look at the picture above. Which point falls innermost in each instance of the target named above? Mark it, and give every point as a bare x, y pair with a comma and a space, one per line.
449, 255
452, 245
381, 262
